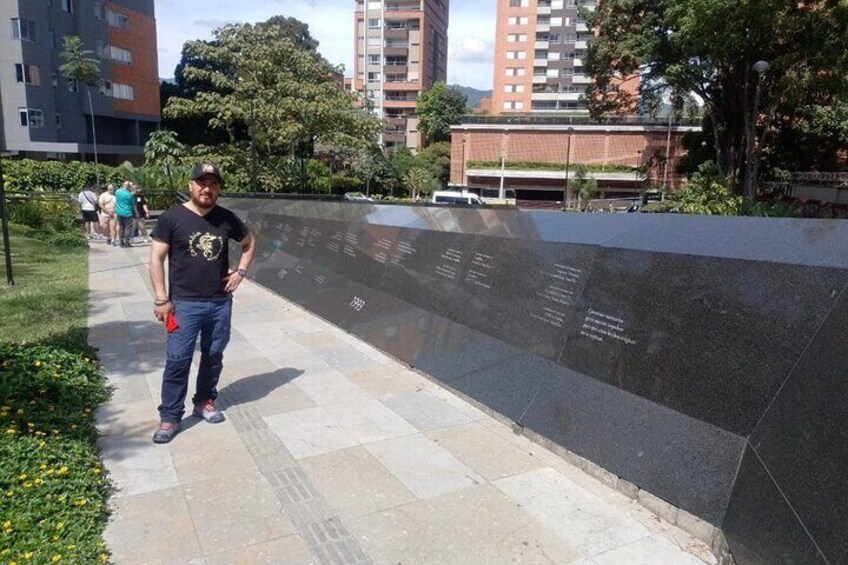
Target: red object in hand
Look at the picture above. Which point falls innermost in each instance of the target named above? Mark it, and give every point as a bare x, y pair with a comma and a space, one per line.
171, 323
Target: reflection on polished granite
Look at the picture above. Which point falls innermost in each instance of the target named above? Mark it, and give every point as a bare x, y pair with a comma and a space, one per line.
663, 348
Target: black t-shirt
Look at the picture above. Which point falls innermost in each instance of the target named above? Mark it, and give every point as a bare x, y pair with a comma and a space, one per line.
139, 202
198, 258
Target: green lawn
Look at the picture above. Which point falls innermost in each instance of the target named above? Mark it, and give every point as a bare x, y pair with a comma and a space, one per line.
48, 303
52, 490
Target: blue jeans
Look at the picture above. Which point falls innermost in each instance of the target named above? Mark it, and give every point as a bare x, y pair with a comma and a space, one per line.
210, 319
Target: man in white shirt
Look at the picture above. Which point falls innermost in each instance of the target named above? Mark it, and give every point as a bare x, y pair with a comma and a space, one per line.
88, 206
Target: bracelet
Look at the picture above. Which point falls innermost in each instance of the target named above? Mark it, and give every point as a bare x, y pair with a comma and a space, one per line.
161, 302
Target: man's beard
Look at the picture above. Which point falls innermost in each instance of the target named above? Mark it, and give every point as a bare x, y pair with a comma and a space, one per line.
199, 203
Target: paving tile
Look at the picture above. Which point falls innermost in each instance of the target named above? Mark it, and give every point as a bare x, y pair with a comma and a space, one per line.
379, 380
368, 420
329, 387
474, 525
647, 551
424, 411
235, 511
485, 452
137, 465
152, 527
310, 432
422, 466
581, 519
355, 483
289, 550
197, 458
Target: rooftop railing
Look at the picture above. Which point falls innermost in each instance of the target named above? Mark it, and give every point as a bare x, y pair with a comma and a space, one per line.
536, 119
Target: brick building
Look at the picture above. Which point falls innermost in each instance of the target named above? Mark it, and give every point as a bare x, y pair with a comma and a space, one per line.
43, 116
625, 156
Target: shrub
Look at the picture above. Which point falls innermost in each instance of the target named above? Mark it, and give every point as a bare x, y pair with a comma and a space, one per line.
52, 490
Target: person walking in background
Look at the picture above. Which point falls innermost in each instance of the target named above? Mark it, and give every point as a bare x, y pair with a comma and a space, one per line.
195, 237
89, 207
108, 222
124, 211
140, 214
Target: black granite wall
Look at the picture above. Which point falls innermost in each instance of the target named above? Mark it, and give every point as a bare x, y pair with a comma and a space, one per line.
701, 358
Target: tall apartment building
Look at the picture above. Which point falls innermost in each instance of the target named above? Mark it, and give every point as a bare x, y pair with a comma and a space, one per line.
539, 51
401, 49
43, 115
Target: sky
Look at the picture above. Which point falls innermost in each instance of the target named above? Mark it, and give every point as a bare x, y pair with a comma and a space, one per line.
471, 30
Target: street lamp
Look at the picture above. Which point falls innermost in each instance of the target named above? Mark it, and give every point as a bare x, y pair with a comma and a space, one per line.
752, 152
567, 163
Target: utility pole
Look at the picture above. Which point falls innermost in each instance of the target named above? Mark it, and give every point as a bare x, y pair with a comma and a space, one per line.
504, 145
565, 196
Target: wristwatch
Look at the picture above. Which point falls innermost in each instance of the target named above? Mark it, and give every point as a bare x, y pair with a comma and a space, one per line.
242, 273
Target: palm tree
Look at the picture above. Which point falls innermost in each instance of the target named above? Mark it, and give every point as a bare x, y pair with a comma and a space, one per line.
585, 186
80, 67
163, 148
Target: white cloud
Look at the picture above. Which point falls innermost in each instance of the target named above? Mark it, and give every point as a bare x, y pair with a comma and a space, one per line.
470, 50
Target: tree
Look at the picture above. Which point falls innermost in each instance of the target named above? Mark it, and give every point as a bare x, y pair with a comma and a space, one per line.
439, 107
709, 47
162, 148
255, 83
585, 186
79, 67
436, 157
420, 182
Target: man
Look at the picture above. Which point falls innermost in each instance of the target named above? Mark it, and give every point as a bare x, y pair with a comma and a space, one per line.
108, 223
89, 207
195, 238
140, 214
124, 212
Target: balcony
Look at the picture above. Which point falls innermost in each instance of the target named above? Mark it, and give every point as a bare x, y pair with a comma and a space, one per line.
581, 45
582, 27
540, 62
542, 45
401, 33
578, 62
581, 79
543, 10
540, 79
403, 7
569, 96
543, 27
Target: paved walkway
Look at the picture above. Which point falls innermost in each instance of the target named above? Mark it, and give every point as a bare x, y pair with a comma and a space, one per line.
334, 453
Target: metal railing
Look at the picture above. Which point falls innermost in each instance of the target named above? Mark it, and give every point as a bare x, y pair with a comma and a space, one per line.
536, 119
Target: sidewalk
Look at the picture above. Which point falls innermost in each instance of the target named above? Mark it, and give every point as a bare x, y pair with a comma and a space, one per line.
333, 453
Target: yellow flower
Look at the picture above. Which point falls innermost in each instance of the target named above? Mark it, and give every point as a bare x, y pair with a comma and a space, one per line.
80, 502
28, 555
37, 363
60, 525
38, 481
30, 425
103, 557
20, 410
10, 431
96, 471
22, 477
71, 547
42, 443
10, 493
27, 484
42, 466
7, 524
74, 426
32, 402
63, 470
56, 558
13, 563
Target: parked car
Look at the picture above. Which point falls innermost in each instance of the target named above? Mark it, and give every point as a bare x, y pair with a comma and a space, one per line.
455, 197
357, 197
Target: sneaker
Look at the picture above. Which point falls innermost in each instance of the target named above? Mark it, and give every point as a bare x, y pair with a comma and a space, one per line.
115, 243
165, 432
208, 412
108, 241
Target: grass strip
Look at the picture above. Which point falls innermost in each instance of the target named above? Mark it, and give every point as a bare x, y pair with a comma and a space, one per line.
52, 490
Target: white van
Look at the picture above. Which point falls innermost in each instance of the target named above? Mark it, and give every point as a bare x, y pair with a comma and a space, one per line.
455, 197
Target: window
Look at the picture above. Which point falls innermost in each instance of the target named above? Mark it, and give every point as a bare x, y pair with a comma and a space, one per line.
557, 21
519, 3
553, 56
117, 19
513, 105
555, 38
100, 11
58, 121
102, 49
374, 77
23, 29
514, 72
515, 20
52, 38
31, 117
514, 88
120, 55
552, 73
374, 23
68, 6
373, 42
516, 54
373, 59
27, 74
122, 91
516, 37
55, 80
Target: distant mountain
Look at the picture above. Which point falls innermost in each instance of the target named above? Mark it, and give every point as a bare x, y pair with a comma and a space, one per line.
472, 94
167, 80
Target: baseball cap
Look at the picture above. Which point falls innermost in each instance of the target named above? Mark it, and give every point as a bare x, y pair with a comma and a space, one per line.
205, 169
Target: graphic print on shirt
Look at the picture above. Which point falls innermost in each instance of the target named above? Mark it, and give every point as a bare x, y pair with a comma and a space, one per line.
205, 244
